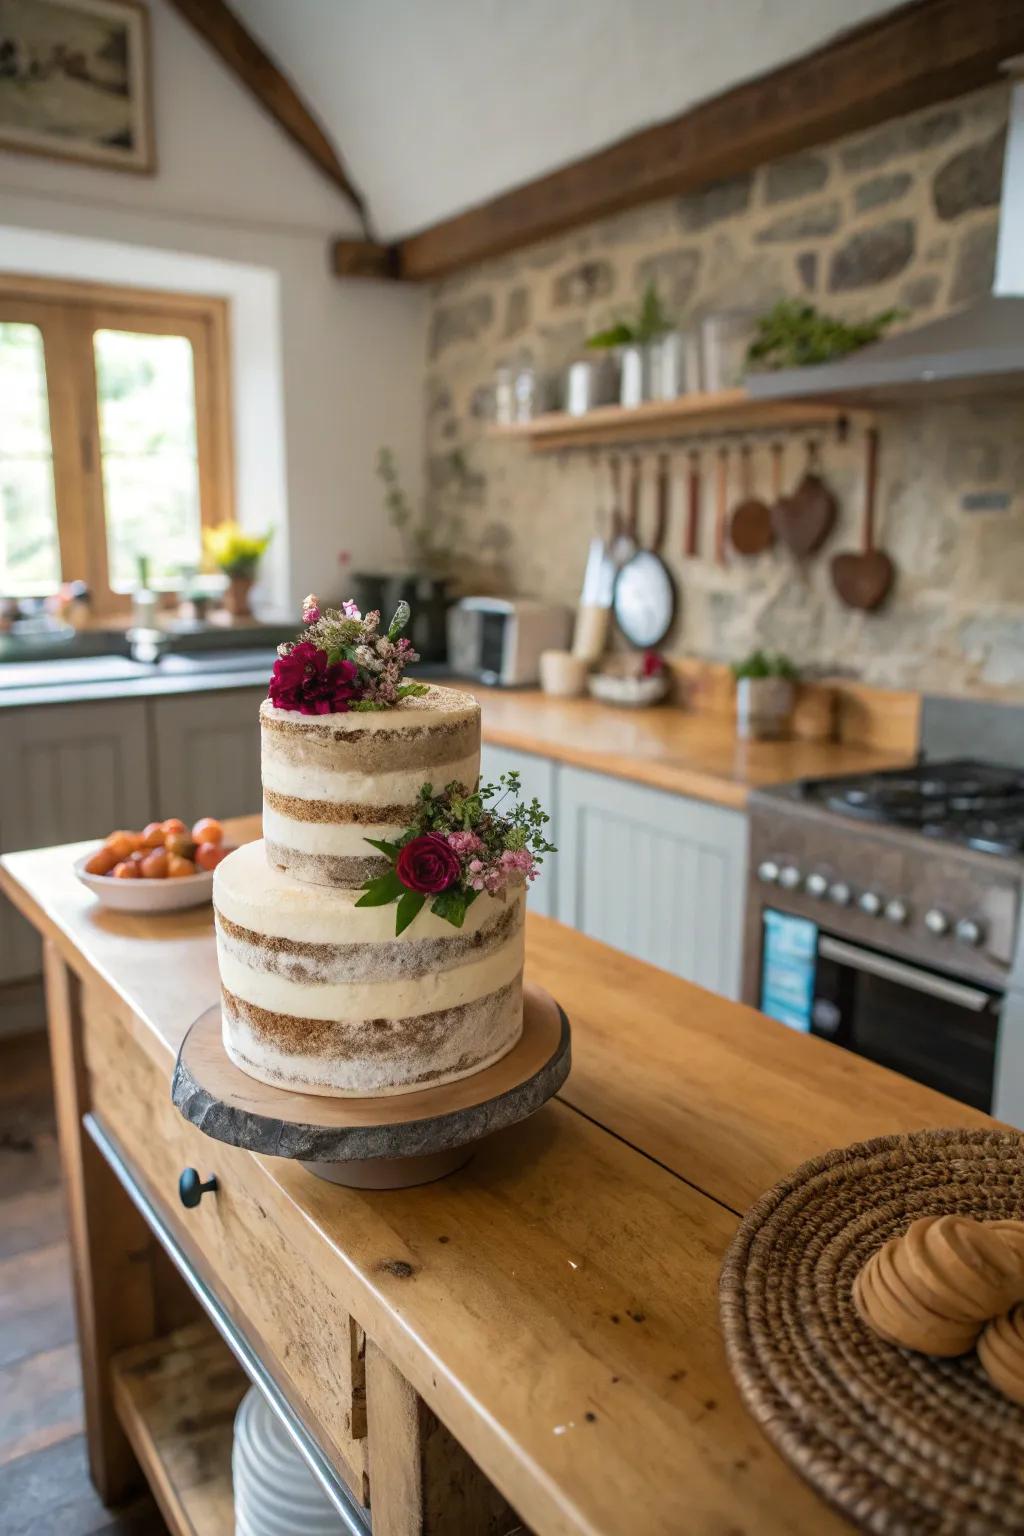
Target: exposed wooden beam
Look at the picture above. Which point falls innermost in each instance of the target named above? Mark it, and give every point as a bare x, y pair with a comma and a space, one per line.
364, 258
910, 58
218, 25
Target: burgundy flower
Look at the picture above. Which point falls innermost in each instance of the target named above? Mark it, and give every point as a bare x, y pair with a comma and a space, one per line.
306, 681
428, 865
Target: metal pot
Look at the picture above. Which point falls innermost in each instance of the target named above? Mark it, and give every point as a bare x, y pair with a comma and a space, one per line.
763, 707
674, 365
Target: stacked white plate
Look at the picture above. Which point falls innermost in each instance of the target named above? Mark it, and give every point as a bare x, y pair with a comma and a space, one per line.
275, 1492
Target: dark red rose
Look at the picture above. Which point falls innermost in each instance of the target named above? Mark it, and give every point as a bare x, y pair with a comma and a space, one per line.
428, 865
306, 681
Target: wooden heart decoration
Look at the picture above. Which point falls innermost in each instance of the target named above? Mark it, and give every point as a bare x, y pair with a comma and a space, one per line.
804, 520
862, 581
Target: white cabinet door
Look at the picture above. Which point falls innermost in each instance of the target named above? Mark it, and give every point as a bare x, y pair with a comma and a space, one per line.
657, 875
207, 749
67, 772
538, 776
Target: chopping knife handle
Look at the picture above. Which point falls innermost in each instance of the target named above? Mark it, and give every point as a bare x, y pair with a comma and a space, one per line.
692, 502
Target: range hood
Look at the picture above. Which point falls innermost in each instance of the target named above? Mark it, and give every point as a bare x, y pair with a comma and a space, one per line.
977, 350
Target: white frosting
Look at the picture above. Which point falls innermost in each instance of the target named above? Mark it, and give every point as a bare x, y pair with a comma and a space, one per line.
355, 1001
334, 837
308, 781
249, 891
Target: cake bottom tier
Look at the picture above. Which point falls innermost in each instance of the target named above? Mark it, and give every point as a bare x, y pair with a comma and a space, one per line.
372, 1058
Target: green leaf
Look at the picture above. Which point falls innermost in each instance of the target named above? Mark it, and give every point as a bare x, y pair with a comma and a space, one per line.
382, 890
412, 690
619, 335
408, 908
391, 849
451, 905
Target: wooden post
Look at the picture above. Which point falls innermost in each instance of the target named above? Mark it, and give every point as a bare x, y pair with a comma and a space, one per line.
111, 1246
422, 1482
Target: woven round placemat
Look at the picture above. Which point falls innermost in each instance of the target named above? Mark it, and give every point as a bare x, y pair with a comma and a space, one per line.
900, 1443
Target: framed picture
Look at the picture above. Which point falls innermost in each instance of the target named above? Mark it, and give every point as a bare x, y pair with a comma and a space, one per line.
74, 81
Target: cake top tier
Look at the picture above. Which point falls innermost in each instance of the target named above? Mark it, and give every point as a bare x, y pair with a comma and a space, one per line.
435, 709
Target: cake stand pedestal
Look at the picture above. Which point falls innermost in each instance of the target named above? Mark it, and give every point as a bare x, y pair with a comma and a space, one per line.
381, 1143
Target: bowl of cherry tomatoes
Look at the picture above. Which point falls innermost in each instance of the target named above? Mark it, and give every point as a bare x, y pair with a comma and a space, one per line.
163, 868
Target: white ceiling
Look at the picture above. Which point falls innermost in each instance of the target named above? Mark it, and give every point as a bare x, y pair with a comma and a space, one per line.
439, 104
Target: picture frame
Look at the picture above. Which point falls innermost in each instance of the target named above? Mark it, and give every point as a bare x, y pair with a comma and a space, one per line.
76, 82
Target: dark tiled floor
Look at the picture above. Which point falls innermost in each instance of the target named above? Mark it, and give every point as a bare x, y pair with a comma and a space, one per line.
44, 1480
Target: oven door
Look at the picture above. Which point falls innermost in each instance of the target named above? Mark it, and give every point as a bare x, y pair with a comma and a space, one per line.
929, 1026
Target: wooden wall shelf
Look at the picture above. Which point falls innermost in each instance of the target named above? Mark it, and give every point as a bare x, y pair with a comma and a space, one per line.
176, 1399
730, 411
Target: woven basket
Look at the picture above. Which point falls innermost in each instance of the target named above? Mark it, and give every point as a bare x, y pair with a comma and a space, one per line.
900, 1443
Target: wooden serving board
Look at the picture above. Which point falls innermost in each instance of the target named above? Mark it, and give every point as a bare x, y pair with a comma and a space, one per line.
399, 1140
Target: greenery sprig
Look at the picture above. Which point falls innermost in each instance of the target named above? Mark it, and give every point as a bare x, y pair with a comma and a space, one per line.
794, 334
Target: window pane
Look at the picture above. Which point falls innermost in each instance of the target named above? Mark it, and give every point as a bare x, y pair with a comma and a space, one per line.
147, 408
29, 551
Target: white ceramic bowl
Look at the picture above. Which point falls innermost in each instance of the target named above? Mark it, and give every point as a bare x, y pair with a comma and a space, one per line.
148, 895
634, 692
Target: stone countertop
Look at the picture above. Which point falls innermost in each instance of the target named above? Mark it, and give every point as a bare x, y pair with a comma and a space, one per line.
665, 747
556, 1303
88, 679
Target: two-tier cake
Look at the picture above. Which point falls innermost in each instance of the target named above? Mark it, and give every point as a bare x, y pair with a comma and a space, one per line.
320, 993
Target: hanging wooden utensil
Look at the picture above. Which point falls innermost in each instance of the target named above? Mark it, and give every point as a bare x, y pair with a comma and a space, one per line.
635, 491
692, 503
804, 520
721, 503
863, 581
750, 527
621, 545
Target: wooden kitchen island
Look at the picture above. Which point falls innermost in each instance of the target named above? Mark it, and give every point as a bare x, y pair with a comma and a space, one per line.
532, 1342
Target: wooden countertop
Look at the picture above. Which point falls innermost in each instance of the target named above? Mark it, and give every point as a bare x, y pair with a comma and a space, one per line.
557, 1304
666, 747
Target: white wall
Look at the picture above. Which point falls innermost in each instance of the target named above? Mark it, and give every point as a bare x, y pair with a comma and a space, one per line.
439, 104
346, 364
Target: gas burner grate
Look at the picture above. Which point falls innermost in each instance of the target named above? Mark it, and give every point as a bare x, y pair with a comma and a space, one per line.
979, 804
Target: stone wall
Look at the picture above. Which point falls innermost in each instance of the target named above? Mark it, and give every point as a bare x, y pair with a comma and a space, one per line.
902, 215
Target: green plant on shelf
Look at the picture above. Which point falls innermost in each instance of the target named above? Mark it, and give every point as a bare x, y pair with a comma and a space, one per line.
650, 321
762, 664
793, 334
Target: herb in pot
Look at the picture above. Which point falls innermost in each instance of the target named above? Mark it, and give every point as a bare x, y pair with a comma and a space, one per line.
650, 321
765, 664
797, 335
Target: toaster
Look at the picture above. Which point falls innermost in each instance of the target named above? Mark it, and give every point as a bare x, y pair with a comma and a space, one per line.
499, 639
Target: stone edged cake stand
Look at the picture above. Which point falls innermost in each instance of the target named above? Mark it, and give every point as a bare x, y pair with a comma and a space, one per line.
383, 1143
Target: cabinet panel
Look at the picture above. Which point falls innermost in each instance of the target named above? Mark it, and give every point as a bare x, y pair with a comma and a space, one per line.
657, 875
538, 776
208, 753
67, 772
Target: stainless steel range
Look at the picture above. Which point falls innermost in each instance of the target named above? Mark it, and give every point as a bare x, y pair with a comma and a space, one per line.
884, 913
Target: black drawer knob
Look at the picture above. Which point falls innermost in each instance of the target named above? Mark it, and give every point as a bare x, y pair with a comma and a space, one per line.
191, 1188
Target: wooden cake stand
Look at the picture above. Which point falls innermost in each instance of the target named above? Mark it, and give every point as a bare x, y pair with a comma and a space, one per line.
382, 1143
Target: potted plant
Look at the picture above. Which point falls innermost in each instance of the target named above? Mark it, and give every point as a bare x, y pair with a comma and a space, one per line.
634, 339
793, 334
765, 695
238, 555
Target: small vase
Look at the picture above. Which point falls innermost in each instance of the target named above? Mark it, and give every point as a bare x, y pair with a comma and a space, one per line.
237, 595
763, 707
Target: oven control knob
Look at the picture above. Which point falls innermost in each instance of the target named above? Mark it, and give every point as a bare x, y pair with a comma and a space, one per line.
840, 893
968, 931
816, 885
896, 910
936, 922
789, 876
870, 903
768, 871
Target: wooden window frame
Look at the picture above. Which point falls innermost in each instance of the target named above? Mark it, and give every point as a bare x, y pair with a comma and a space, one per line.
67, 315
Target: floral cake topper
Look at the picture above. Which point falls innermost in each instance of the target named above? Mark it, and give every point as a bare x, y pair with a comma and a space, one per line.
458, 845
343, 662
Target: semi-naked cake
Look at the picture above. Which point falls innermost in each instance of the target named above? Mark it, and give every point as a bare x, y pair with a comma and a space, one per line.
332, 781
320, 995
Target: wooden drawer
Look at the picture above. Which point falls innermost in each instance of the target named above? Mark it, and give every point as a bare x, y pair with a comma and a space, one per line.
311, 1344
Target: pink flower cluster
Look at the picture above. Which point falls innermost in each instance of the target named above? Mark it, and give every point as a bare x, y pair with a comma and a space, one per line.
381, 661
495, 872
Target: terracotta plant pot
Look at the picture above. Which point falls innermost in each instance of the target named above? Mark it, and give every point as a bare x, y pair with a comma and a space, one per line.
764, 706
237, 596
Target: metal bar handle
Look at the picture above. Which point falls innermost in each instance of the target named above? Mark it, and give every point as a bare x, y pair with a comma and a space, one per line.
352, 1517
955, 992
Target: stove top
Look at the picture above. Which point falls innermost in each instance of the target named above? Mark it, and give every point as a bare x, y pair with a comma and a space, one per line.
980, 805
